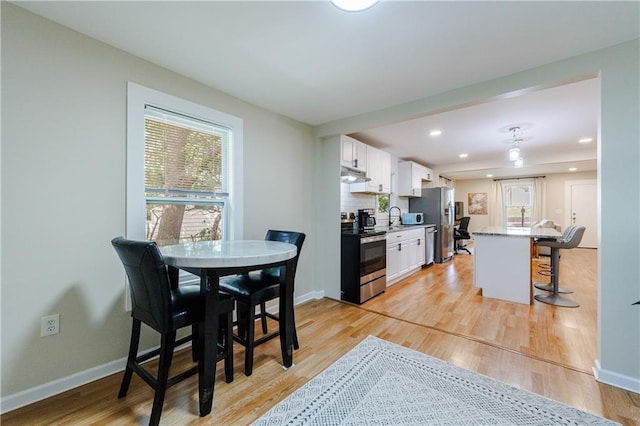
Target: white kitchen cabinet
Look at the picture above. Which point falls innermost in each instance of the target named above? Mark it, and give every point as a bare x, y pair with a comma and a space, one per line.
354, 153
393, 267
378, 170
405, 253
410, 177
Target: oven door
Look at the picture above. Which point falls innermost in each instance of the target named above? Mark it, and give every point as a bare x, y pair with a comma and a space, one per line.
373, 258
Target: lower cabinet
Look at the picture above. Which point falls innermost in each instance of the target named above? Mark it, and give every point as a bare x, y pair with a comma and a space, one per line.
405, 253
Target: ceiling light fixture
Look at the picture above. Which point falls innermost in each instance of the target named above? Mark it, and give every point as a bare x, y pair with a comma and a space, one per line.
585, 140
353, 5
463, 155
514, 152
435, 133
489, 175
518, 163
573, 169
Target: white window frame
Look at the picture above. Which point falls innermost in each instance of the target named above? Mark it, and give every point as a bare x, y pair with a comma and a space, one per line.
519, 183
137, 97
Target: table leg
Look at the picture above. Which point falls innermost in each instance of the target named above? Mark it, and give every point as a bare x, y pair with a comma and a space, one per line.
209, 285
286, 314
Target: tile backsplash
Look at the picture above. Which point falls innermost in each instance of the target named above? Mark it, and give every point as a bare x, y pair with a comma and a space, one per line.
352, 201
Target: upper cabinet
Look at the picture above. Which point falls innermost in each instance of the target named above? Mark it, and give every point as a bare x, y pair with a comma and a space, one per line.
410, 177
354, 153
378, 169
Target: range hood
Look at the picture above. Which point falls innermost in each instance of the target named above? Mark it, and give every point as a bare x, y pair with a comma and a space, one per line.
352, 176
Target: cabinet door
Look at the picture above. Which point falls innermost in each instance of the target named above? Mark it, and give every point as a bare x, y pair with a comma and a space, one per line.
420, 253
392, 261
385, 172
404, 257
379, 171
354, 153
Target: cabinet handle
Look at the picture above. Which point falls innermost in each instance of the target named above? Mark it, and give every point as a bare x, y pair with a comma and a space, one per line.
355, 163
418, 241
399, 246
380, 188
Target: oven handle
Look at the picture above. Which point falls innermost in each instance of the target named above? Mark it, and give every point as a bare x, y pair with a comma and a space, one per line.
373, 239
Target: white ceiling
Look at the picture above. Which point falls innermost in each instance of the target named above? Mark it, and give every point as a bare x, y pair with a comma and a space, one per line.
314, 63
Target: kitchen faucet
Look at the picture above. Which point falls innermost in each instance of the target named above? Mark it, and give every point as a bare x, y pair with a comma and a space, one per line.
400, 211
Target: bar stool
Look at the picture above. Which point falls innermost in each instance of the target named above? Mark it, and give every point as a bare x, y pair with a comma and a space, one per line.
544, 269
570, 239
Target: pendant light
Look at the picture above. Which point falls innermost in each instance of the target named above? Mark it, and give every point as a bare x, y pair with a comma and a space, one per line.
353, 5
514, 151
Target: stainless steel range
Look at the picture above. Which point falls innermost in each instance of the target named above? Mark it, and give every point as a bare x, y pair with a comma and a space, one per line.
363, 261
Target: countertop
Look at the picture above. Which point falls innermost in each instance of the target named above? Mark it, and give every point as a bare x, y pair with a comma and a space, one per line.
398, 228
518, 232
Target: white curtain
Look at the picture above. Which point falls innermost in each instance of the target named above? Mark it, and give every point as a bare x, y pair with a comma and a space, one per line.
539, 199
496, 206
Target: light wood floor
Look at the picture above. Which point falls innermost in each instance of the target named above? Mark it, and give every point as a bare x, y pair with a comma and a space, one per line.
539, 348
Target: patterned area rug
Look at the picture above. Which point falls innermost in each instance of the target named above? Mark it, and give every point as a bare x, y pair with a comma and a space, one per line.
381, 383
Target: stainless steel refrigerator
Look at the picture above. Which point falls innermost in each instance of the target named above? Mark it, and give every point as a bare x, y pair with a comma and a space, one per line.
438, 207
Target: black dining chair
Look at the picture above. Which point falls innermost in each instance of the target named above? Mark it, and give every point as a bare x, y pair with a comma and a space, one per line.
255, 289
461, 233
165, 307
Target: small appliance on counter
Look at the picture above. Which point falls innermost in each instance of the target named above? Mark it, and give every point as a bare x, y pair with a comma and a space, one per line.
366, 220
412, 218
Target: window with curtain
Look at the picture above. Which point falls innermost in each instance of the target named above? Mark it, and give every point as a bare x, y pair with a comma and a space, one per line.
185, 178
518, 204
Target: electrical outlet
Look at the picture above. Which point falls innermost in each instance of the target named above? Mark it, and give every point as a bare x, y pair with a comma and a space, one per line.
50, 325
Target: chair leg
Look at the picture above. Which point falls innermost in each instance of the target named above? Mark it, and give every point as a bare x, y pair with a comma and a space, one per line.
296, 345
196, 342
131, 359
263, 317
228, 347
242, 314
166, 354
251, 327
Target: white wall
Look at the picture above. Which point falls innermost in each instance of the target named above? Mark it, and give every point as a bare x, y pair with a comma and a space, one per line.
555, 200
63, 193
618, 182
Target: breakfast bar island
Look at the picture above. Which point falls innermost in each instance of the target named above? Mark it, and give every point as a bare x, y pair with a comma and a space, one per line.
502, 261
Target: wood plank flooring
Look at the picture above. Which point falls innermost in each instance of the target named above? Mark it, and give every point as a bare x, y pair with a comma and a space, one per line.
542, 349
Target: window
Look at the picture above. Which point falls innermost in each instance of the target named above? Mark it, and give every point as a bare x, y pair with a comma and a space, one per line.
184, 177
518, 204
183, 170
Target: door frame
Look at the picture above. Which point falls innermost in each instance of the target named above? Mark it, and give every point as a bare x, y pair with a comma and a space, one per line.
567, 203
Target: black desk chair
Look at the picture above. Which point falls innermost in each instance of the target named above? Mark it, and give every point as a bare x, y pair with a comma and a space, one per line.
257, 288
461, 233
165, 307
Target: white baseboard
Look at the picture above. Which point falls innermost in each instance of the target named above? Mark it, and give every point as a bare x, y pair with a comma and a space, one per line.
47, 390
38, 393
616, 379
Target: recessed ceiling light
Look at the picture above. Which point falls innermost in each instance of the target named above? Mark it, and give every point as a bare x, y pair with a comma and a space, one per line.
585, 140
573, 169
435, 133
353, 5
463, 155
489, 175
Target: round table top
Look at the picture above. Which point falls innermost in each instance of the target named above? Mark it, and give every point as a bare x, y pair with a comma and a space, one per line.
221, 254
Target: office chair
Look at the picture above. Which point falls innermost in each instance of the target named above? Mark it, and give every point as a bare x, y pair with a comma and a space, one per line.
461, 233
257, 288
165, 307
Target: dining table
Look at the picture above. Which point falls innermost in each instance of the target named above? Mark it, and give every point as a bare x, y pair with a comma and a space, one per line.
211, 260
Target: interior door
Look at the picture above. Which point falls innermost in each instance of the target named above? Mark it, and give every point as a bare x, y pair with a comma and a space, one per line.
583, 210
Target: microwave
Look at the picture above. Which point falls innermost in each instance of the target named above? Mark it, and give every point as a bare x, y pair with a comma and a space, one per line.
412, 218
